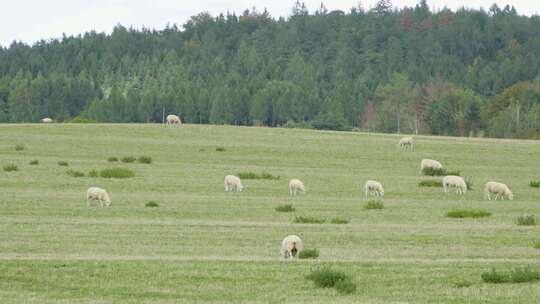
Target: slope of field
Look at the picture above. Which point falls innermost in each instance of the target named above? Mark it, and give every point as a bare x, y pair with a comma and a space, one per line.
207, 246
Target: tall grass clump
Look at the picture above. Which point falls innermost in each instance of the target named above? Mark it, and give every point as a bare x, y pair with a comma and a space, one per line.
536, 245
34, 162
374, 204
10, 167
439, 172
144, 159
74, 173
327, 278
338, 220
285, 208
430, 183
63, 163
534, 184
112, 159
116, 173
253, 175
468, 213
518, 275
526, 220
152, 204
93, 173
19, 147
308, 220
128, 159
220, 149
308, 254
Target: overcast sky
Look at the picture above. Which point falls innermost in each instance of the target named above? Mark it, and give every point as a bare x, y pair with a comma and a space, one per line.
30, 21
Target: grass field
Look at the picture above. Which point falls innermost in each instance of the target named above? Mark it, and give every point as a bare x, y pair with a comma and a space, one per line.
202, 245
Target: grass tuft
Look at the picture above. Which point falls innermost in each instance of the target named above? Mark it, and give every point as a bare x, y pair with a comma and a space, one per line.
308, 220
220, 149
128, 159
285, 208
63, 163
309, 254
34, 162
439, 172
468, 213
534, 184
374, 204
112, 159
526, 220
74, 173
346, 286
430, 183
152, 204
338, 220
328, 278
93, 173
10, 167
536, 245
116, 173
253, 175
463, 284
144, 160
518, 275
19, 147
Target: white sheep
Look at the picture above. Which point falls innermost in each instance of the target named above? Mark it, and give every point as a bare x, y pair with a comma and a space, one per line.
97, 194
405, 143
296, 185
46, 120
501, 190
173, 119
430, 163
457, 182
373, 188
291, 247
233, 183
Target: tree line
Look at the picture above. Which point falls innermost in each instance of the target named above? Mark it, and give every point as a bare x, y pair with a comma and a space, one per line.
406, 70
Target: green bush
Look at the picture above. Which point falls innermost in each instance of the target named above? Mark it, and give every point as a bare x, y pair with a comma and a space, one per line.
10, 167
128, 159
63, 163
34, 162
535, 184
494, 277
518, 275
116, 173
536, 245
328, 278
112, 159
338, 220
152, 204
374, 204
308, 254
346, 286
308, 220
468, 213
220, 149
430, 183
253, 175
526, 220
74, 173
19, 147
434, 171
93, 173
285, 208
144, 160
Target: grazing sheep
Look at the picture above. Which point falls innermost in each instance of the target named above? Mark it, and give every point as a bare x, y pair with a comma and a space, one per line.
46, 120
501, 190
233, 183
97, 194
373, 188
296, 185
405, 143
454, 181
291, 247
430, 163
173, 120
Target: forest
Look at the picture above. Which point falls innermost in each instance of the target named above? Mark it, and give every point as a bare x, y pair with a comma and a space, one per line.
468, 72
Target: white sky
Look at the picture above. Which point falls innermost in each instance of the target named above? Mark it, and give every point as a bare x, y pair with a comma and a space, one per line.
32, 20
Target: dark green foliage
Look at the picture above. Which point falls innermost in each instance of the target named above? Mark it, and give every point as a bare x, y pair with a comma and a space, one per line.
152, 204
374, 204
526, 220
144, 159
34, 162
468, 213
308, 220
346, 286
518, 275
535, 184
325, 277
93, 173
63, 163
116, 173
128, 159
309, 254
74, 173
536, 245
10, 167
285, 208
430, 183
112, 159
82, 120
338, 220
220, 149
253, 175
19, 147
438, 172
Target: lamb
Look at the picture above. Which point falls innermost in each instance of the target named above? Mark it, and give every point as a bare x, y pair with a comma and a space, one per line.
173, 119
405, 143
430, 163
97, 194
454, 181
46, 120
233, 183
373, 188
291, 247
296, 185
501, 190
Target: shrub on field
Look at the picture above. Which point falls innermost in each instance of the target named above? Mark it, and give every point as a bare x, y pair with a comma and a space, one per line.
536, 245
116, 173
112, 159
144, 160
308, 254
63, 163
309, 220
220, 149
535, 184
10, 167
152, 204
285, 208
19, 147
374, 204
338, 220
93, 173
327, 278
74, 173
253, 175
438, 172
526, 220
468, 213
34, 162
430, 183
346, 286
128, 159
518, 275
